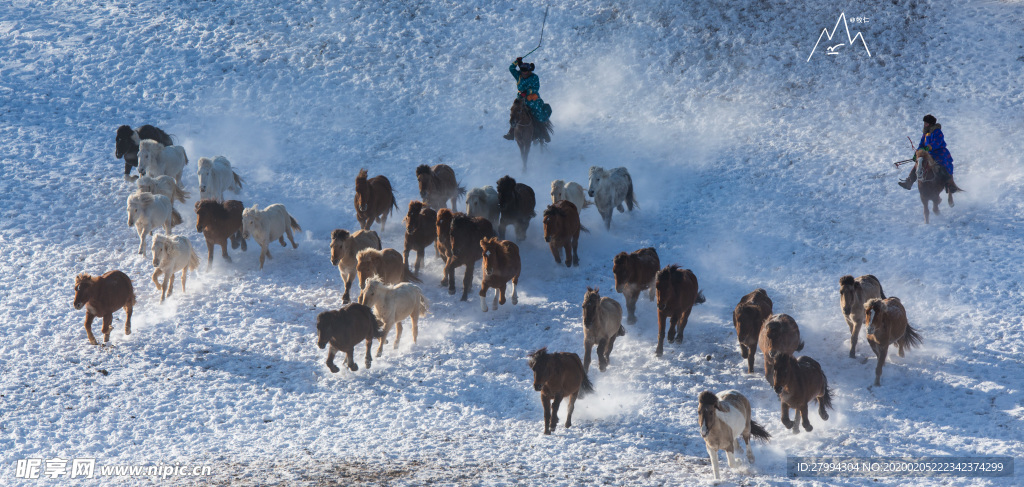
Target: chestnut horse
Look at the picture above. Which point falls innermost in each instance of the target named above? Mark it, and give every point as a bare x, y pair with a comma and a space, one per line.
562, 231
101, 296
633, 274
345, 248
677, 293
557, 375
853, 293
438, 186
420, 231
887, 324
443, 246
748, 317
797, 382
500, 265
219, 222
516, 201
467, 232
374, 200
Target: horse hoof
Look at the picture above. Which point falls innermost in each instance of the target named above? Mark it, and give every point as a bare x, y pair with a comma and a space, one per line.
334, 370
451, 291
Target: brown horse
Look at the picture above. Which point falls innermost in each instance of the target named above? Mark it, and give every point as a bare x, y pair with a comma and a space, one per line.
797, 382
557, 375
103, 295
930, 183
516, 201
467, 232
779, 335
748, 317
677, 293
602, 324
887, 324
853, 293
420, 231
528, 130
219, 222
562, 231
500, 265
438, 186
345, 249
443, 246
387, 264
343, 329
633, 274
374, 200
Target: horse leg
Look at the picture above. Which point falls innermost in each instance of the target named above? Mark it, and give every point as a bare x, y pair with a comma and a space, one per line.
587, 345
575, 250
606, 215
330, 358
499, 297
515, 296
163, 288
805, 419
156, 279
661, 333
631, 297
554, 411
169, 283
750, 360
467, 281
788, 423
713, 454
415, 324
746, 442
224, 252
449, 276
184, 277
682, 325
383, 339
369, 357
882, 351
854, 335
555, 251
142, 240
108, 326
483, 297
608, 350
348, 359
88, 327
925, 203
264, 253
602, 362
128, 308
501, 227
398, 334
419, 260
348, 287
281, 239
729, 457
572, 406
568, 254
209, 254
546, 401
673, 323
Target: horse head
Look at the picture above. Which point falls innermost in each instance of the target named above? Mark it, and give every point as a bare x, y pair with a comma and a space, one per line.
506, 193
125, 141
338, 238
553, 216
538, 363
707, 404
250, 221
362, 191
622, 270
590, 302
425, 179
848, 290
83, 290
666, 284
595, 174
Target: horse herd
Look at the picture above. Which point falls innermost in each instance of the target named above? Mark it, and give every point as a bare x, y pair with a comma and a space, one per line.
388, 294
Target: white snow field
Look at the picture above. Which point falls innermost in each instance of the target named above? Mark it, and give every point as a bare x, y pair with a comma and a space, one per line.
754, 167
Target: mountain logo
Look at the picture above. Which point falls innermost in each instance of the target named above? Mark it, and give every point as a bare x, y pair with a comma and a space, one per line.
833, 50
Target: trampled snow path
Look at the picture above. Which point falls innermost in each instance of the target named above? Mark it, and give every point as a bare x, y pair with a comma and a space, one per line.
754, 168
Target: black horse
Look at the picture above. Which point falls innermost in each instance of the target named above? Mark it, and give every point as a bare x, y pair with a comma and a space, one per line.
126, 144
516, 203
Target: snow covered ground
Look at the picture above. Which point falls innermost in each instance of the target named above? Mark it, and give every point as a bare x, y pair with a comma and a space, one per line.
754, 168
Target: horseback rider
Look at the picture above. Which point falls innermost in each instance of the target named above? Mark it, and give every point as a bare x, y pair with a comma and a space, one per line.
933, 142
528, 85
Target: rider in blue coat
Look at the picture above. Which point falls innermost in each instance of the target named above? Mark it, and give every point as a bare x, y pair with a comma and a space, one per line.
528, 85
933, 142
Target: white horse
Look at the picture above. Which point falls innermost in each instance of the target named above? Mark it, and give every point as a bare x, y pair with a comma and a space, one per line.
216, 176
272, 223
609, 190
722, 418
483, 202
392, 304
157, 160
172, 254
164, 185
571, 192
147, 211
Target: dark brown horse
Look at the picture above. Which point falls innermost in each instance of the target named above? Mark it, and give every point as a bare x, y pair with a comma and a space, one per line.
374, 200
420, 231
500, 265
528, 130
516, 201
931, 183
780, 335
219, 222
467, 232
555, 376
343, 329
677, 293
797, 382
438, 186
562, 231
748, 317
633, 274
443, 246
101, 296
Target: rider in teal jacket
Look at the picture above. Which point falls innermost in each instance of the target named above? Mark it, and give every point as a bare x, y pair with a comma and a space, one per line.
528, 85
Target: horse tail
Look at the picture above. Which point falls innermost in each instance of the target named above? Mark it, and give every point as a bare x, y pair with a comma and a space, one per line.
622, 331
193, 259
175, 217
408, 276
294, 224
587, 203
826, 399
424, 305
377, 327
586, 387
238, 181
630, 197
180, 194
584, 229
758, 432
700, 298
910, 338
460, 190
800, 346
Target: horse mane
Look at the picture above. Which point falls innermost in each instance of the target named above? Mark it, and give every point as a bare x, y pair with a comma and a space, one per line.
876, 305
536, 355
339, 234
506, 183
554, 210
846, 280
124, 131
489, 241
671, 272
423, 170
707, 398
142, 197
149, 144
213, 208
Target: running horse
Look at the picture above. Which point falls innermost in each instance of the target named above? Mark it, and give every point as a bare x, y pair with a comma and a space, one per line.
931, 182
528, 130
